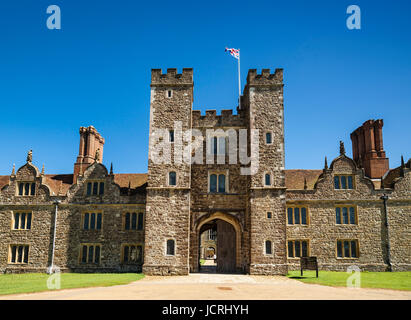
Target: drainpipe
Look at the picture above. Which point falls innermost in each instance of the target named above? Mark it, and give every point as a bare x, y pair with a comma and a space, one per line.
384, 198
50, 269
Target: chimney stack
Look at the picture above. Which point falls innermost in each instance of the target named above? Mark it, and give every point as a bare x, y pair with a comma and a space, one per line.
367, 149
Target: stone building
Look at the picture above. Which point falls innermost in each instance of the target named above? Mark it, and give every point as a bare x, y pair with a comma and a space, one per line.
263, 217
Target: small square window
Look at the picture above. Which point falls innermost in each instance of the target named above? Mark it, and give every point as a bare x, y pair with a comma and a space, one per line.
269, 215
171, 134
268, 138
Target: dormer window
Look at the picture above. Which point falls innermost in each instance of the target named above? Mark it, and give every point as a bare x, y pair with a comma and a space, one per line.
343, 182
26, 188
95, 188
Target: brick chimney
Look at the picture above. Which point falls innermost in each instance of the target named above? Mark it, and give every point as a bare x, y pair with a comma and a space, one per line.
367, 149
90, 141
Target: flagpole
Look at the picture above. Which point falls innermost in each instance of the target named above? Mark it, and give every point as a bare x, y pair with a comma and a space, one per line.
239, 80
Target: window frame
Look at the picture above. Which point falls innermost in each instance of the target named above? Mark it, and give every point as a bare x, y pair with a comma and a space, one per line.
171, 93
166, 247
271, 137
264, 179
348, 206
301, 248
9, 258
13, 217
218, 173
137, 244
92, 181
265, 247
307, 215
357, 242
24, 183
131, 212
88, 245
168, 179
340, 183
83, 215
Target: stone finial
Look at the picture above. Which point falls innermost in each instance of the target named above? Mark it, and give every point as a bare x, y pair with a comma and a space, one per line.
305, 183
325, 164
29, 158
42, 170
111, 168
97, 156
342, 148
13, 171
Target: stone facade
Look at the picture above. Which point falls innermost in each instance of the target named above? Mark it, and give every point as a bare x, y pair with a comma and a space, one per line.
152, 222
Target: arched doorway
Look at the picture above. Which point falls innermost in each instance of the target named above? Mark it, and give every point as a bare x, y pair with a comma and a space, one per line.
226, 244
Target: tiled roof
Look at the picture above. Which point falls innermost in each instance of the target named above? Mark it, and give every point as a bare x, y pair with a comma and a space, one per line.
294, 179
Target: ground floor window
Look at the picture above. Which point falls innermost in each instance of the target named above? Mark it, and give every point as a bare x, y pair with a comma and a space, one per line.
22, 220
90, 253
297, 248
92, 220
132, 253
171, 247
347, 248
268, 247
19, 253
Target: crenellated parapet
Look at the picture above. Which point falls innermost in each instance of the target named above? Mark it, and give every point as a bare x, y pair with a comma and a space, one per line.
211, 118
265, 78
172, 78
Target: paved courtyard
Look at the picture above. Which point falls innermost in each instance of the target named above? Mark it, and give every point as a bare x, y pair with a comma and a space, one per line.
215, 286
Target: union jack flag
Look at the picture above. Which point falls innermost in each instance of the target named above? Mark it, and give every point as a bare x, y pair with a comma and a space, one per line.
234, 52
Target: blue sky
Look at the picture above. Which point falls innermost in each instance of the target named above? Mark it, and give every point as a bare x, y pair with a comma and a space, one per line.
96, 71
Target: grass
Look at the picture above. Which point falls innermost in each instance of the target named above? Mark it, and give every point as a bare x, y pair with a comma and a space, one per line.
384, 280
36, 282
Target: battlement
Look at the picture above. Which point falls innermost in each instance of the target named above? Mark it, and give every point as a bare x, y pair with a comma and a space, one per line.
210, 118
172, 77
265, 78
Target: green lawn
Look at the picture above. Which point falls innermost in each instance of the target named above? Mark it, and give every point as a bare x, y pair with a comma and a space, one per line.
385, 280
35, 282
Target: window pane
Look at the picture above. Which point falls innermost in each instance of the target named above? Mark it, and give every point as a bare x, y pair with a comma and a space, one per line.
304, 248
297, 215
213, 183
95, 187
98, 221
21, 185
126, 253
303, 216
350, 186
20, 254
214, 145
290, 249
13, 254
140, 221
352, 215
89, 188
343, 182
170, 247
90, 254
297, 248
97, 255
92, 221
127, 222
221, 145
26, 254
171, 135
134, 221
172, 178
290, 215
26, 189
33, 188
29, 220
338, 215
346, 249
354, 249
101, 191
23, 221
221, 183
345, 215
16, 220
268, 247
267, 179
86, 220
339, 249
336, 182
84, 254
268, 137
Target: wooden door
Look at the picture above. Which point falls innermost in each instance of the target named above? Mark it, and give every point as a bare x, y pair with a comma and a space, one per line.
226, 247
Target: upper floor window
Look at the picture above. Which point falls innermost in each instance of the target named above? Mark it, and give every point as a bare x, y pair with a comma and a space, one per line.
217, 183
171, 135
19, 253
345, 215
172, 178
297, 248
267, 179
268, 138
217, 145
133, 221
343, 182
269, 215
297, 215
22, 220
92, 221
169, 93
268, 247
170, 247
347, 249
27, 188
132, 253
95, 188
90, 253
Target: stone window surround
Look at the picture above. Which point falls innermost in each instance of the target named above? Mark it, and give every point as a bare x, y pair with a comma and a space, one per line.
269, 214
13, 217
98, 187
165, 247
168, 178
348, 208
30, 185
217, 172
345, 175
308, 220
83, 213
272, 248
347, 258
19, 263
123, 220
89, 244
169, 96
137, 244
265, 137
301, 249
271, 179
